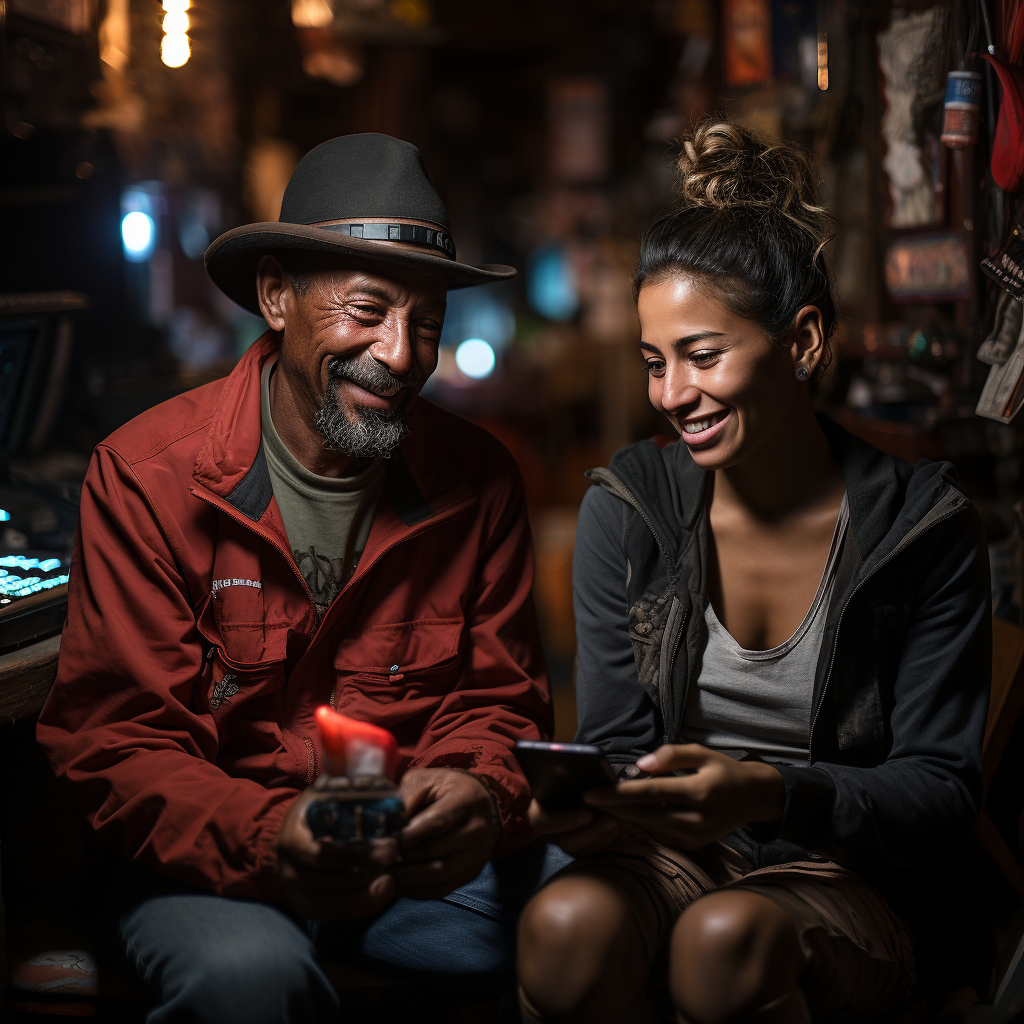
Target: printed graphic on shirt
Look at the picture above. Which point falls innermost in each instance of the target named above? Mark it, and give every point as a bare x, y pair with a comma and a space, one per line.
324, 576
223, 691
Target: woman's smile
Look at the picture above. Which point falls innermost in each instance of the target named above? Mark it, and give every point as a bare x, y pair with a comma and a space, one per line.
698, 432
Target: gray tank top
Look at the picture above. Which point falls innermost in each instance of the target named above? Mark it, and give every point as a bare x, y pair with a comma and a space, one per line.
761, 700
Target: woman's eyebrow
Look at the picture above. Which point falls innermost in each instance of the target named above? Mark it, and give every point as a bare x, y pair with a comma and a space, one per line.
699, 336
683, 342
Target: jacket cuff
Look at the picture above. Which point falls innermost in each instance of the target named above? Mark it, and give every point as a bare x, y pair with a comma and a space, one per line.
807, 812
500, 775
268, 878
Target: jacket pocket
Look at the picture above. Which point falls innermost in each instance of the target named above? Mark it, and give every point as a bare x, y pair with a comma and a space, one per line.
245, 661
410, 662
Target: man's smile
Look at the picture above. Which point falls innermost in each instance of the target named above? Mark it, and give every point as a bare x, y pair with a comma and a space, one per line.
361, 395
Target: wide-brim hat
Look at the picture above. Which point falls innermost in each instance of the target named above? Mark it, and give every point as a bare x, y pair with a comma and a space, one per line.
366, 198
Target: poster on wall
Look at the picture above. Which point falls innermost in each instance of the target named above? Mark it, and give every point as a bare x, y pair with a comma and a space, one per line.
747, 41
928, 268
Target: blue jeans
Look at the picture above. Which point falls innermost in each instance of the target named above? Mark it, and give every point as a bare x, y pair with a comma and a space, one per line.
212, 958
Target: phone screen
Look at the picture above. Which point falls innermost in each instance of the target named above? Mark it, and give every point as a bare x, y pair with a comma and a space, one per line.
560, 773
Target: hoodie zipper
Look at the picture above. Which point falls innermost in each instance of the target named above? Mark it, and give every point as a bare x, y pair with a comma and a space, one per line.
959, 503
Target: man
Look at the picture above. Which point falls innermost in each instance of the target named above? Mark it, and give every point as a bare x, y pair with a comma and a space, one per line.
307, 531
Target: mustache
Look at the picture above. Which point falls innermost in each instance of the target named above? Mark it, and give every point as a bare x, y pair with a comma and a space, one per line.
367, 372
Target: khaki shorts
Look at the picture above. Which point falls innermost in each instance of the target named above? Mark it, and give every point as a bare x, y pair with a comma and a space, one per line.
860, 960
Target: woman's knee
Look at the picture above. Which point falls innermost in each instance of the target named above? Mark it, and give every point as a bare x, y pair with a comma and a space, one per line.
732, 952
576, 936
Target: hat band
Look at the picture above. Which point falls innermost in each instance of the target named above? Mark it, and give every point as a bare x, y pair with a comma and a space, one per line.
417, 234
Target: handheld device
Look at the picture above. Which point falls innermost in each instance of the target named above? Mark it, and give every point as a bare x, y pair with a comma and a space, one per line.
354, 748
359, 799
560, 773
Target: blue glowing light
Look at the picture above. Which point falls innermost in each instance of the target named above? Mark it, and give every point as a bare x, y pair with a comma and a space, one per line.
21, 562
475, 358
22, 586
551, 284
138, 232
4, 515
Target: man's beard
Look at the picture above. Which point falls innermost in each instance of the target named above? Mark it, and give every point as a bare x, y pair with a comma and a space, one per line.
369, 433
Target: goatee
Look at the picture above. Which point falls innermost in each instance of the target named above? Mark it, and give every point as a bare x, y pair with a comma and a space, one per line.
362, 432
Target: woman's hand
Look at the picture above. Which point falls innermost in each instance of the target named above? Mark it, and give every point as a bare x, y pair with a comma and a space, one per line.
687, 812
580, 832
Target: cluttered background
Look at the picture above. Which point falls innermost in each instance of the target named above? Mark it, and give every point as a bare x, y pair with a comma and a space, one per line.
135, 131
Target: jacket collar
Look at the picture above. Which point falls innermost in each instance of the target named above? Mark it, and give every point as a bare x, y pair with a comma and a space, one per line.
232, 463
887, 496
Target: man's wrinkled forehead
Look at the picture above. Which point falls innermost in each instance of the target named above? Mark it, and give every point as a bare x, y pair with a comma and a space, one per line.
393, 289
341, 274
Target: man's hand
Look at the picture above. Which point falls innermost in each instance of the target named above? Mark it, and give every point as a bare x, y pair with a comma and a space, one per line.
329, 881
452, 832
690, 811
581, 832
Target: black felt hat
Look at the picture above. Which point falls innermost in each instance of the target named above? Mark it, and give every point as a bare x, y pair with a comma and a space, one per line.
366, 197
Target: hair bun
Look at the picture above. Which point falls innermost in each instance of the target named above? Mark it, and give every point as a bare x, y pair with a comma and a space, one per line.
723, 166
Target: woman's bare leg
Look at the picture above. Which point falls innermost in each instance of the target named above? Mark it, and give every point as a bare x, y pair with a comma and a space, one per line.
581, 955
736, 956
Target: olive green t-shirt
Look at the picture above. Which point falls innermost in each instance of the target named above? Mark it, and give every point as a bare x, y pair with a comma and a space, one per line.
327, 518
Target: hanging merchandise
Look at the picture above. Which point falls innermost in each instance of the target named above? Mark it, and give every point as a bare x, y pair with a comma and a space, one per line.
1008, 143
962, 109
996, 348
1004, 51
1003, 394
905, 52
1006, 267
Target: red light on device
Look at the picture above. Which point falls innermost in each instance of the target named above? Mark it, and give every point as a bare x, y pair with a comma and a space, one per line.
355, 748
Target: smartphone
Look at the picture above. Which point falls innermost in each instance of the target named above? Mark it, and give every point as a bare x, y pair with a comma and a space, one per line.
560, 773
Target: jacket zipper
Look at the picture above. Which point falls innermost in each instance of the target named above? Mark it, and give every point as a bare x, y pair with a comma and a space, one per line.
677, 640
899, 549
361, 571
312, 761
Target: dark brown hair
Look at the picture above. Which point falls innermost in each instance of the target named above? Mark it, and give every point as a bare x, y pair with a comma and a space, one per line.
748, 225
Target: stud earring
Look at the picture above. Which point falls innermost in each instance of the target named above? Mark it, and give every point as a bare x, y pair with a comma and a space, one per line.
802, 373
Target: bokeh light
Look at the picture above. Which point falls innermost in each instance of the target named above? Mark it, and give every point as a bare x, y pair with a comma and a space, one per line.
551, 284
475, 358
138, 232
175, 50
175, 22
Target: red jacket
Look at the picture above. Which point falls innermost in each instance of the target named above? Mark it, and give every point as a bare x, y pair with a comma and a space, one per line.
191, 664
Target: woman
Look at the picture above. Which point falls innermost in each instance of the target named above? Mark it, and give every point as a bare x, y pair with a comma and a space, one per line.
783, 645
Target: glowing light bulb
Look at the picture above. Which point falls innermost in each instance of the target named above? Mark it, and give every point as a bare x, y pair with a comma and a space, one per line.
177, 5
475, 358
175, 22
175, 50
